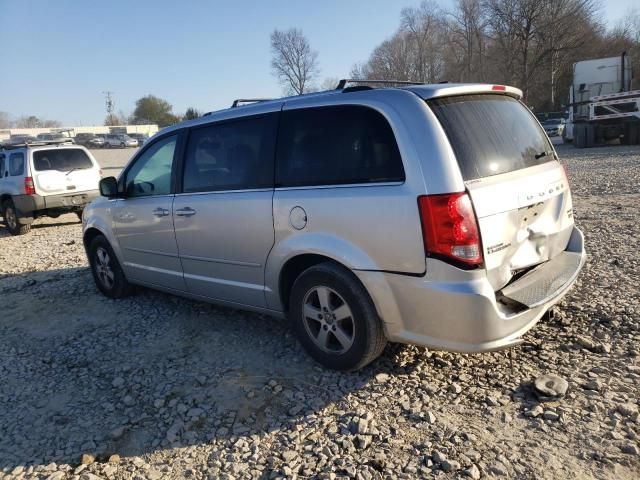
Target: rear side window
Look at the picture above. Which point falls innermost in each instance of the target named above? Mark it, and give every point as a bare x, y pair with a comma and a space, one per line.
235, 155
336, 145
491, 134
62, 160
16, 164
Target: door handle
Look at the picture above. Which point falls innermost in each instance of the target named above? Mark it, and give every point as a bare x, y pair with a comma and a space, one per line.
161, 212
185, 212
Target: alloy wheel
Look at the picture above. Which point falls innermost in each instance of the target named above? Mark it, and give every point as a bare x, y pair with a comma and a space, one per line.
103, 268
328, 320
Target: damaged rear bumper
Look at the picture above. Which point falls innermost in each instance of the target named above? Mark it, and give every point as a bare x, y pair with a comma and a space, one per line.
455, 310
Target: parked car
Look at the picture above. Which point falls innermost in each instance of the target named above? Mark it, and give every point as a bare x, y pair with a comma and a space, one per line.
89, 140
436, 215
554, 127
44, 180
119, 140
140, 137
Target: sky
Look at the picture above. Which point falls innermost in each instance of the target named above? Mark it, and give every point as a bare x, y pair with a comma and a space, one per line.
58, 57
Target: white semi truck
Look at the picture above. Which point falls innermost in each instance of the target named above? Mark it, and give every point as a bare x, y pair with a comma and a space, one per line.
603, 105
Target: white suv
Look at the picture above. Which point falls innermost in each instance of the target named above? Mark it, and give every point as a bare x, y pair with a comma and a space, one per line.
45, 179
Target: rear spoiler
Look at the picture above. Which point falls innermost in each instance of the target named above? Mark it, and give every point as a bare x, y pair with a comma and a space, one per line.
428, 92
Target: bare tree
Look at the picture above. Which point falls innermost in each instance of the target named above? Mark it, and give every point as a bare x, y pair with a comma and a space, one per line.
293, 62
4, 120
51, 123
468, 34
425, 27
30, 121
535, 35
391, 60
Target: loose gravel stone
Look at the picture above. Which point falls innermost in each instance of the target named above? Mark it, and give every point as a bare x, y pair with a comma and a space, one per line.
472, 472
552, 386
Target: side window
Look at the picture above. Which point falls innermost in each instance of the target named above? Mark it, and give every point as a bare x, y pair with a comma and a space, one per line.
151, 173
236, 155
336, 145
16, 164
2, 166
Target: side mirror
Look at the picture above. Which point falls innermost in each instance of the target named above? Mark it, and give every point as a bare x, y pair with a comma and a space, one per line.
109, 187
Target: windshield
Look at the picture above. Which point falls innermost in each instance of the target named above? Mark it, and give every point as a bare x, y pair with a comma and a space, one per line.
62, 159
491, 134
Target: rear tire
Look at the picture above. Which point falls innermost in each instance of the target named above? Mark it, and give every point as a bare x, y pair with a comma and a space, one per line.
12, 221
334, 318
106, 269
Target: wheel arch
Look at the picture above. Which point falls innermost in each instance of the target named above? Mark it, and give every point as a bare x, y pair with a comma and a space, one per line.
296, 253
292, 269
88, 236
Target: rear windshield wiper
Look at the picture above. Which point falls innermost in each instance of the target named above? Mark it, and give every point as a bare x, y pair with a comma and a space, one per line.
540, 155
76, 168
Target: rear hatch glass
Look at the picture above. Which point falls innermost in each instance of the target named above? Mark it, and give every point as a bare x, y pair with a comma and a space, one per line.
491, 134
519, 192
62, 159
64, 170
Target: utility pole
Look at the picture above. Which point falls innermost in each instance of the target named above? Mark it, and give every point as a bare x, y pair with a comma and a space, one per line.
110, 104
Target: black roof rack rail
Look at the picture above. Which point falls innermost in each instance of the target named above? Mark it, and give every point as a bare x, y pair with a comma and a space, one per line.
238, 101
342, 83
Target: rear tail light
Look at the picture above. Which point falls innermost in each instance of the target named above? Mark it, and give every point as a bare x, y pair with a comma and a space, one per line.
449, 227
29, 187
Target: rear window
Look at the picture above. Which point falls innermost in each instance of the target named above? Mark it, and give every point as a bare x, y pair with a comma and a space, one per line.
336, 145
61, 159
491, 134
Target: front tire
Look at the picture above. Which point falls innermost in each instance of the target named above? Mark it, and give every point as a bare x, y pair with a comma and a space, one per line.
12, 221
335, 319
106, 269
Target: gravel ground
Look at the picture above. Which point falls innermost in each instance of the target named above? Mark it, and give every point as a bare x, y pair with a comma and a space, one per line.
156, 386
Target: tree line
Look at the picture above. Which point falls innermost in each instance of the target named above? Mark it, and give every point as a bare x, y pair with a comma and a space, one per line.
530, 44
26, 121
148, 110
151, 110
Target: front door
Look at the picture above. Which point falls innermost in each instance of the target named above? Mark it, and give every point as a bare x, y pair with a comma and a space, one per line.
223, 217
144, 221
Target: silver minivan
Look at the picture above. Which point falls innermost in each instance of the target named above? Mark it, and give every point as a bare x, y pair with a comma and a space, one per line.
436, 215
